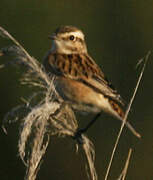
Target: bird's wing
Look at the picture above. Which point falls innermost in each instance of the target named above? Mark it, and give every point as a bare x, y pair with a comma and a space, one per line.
82, 68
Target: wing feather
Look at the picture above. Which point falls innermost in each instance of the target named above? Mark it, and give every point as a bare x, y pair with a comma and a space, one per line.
81, 68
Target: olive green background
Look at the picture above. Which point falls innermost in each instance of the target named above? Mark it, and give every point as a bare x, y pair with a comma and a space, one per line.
118, 34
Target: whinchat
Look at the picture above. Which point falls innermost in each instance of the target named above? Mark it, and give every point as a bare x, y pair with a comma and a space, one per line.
78, 79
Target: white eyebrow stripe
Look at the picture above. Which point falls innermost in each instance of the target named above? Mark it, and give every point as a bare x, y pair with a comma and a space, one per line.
78, 34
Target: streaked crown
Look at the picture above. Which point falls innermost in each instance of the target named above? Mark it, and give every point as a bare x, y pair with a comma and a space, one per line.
68, 40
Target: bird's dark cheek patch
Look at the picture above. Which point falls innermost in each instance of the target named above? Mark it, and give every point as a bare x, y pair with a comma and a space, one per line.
64, 38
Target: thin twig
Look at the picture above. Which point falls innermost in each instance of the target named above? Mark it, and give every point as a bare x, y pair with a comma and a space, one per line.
126, 114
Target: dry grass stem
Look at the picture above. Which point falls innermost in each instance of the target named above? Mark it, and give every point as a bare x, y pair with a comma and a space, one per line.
124, 171
90, 154
126, 114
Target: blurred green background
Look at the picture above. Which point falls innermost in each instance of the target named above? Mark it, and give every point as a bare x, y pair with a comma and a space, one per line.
118, 34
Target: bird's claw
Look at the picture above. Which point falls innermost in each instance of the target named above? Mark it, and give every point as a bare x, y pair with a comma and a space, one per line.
78, 136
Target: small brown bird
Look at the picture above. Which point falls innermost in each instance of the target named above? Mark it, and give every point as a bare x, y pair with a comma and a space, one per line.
79, 80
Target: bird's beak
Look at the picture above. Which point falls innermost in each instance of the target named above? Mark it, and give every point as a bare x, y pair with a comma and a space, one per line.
52, 37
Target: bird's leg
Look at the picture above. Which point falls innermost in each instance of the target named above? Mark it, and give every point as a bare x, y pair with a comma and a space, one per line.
78, 134
90, 123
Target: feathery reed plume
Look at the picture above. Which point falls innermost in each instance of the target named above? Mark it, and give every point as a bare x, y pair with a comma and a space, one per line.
43, 115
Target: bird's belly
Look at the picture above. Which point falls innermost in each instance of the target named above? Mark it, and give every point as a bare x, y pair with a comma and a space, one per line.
82, 97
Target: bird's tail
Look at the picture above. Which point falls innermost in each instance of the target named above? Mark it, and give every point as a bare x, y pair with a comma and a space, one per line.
120, 115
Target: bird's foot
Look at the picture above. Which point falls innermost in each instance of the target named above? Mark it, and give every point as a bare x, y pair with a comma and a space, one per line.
78, 136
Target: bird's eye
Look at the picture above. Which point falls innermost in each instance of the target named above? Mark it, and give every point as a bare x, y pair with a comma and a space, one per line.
71, 37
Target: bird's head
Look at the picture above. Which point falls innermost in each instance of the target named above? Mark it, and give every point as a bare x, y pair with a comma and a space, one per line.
68, 40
